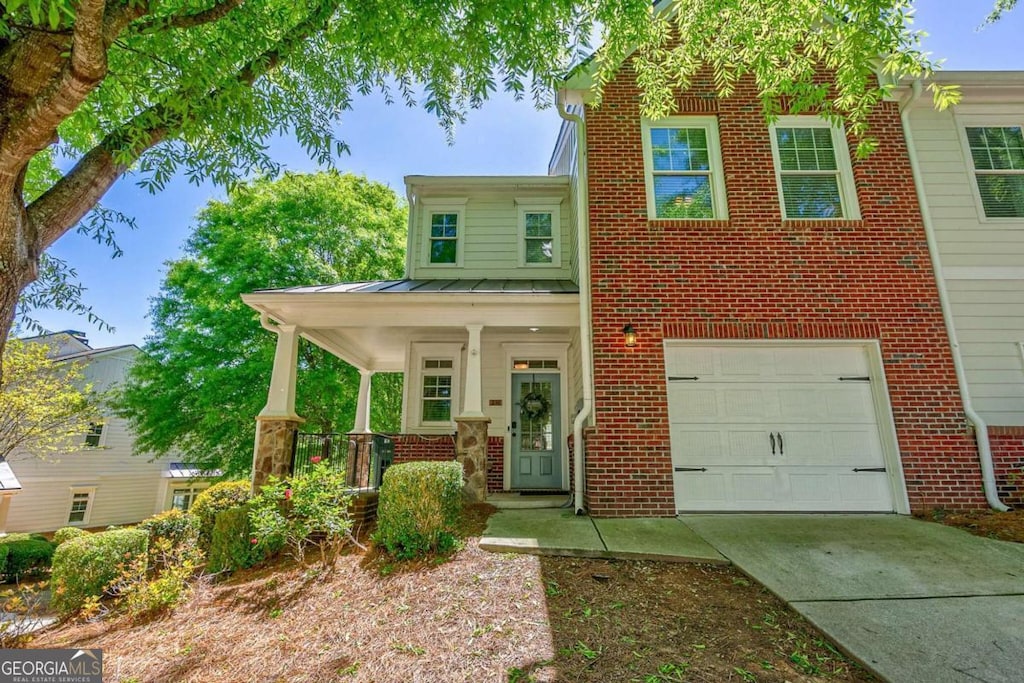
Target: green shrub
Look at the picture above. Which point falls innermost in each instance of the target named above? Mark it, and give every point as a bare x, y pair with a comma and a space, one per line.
27, 557
419, 508
84, 566
158, 580
176, 526
219, 497
67, 533
311, 509
231, 547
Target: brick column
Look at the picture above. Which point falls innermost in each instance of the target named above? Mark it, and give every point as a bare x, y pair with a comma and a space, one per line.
357, 469
275, 443
471, 452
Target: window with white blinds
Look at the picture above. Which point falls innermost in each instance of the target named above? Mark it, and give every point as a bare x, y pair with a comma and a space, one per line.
813, 170
997, 153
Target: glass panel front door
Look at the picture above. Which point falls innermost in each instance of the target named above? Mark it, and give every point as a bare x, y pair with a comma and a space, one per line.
536, 431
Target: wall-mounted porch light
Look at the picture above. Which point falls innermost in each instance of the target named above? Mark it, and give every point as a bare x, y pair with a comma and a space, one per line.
629, 335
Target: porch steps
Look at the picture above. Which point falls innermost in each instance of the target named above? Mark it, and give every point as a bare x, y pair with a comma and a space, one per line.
516, 501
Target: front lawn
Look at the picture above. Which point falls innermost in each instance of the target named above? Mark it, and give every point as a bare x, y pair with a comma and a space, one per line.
475, 617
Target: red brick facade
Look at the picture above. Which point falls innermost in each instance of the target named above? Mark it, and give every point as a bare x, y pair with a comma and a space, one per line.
413, 447
757, 276
495, 463
1008, 457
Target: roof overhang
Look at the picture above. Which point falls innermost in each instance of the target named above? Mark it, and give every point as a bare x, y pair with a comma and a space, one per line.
977, 87
372, 330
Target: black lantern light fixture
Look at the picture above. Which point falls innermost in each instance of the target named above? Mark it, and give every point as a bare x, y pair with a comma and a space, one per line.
629, 335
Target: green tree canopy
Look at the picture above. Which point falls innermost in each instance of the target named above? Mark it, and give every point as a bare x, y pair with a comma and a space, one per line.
46, 406
206, 368
198, 86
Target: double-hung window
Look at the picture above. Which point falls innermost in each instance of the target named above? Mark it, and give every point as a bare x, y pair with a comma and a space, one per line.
437, 390
997, 153
444, 231
539, 233
94, 435
432, 392
683, 168
813, 170
81, 505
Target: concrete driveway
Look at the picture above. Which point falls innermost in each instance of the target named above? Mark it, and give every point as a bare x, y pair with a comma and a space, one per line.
914, 601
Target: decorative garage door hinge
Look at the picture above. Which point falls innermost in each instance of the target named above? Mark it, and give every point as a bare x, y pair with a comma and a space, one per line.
855, 379
691, 469
682, 379
869, 469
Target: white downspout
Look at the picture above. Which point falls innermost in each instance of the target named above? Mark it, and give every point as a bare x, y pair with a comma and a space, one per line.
988, 475
583, 258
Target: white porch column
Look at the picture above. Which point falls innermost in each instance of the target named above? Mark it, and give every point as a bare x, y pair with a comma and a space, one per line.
281, 396
362, 424
472, 396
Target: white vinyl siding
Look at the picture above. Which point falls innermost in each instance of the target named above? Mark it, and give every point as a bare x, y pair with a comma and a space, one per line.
489, 240
683, 168
812, 169
982, 258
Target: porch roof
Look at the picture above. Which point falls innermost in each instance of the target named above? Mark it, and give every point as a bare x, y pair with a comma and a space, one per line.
370, 324
432, 286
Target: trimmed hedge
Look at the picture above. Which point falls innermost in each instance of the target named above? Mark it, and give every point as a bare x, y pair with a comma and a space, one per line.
419, 508
176, 526
219, 497
24, 555
67, 533
231, 545
84, 566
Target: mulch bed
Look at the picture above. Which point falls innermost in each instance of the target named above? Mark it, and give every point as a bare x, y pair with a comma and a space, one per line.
475, 616
1005, 526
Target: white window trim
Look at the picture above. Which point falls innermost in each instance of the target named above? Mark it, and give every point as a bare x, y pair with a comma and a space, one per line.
448, 205
847, 185
418, 352
720, 207
91, 491
552, 206
195, 489
990, 121
104, 428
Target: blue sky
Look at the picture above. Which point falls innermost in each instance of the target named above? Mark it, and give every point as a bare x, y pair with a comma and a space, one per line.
387, 143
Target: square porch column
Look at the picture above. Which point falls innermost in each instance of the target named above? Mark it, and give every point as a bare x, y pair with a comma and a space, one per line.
277, 423
471, 425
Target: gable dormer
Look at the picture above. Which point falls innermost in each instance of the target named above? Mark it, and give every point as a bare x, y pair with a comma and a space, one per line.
512, 227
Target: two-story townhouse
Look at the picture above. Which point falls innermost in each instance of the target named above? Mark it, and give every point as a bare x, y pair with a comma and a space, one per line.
103, 482
969, 162
484, 326
740, 316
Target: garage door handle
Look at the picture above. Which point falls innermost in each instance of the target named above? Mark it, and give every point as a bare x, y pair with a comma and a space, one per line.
781, 451
771, 435
869, 469
691, 469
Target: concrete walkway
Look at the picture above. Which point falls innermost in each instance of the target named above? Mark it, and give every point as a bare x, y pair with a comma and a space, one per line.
560, 532
913, 601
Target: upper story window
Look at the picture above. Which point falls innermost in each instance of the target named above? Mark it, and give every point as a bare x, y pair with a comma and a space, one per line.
539, 233
94, 436
813, 170
997, 153
683, 168
444, 231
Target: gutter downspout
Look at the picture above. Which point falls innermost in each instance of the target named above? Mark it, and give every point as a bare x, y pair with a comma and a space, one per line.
583, 257
988, 476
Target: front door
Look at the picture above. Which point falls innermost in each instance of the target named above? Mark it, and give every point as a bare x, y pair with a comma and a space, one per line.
536, 431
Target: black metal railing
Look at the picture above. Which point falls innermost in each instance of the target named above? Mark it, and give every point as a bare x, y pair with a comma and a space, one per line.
363, 460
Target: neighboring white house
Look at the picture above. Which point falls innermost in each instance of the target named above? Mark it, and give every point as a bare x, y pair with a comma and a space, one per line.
970, 161
103, 483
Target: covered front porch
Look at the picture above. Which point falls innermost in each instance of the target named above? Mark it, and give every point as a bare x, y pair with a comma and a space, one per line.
491, 372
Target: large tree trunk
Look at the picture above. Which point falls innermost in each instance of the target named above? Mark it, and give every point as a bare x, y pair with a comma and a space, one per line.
19, 252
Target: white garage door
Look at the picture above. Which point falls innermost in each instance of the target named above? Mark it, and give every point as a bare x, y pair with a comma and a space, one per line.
775, 428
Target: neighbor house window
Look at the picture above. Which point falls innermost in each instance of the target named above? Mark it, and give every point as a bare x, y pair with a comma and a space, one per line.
683, 168
81, 505
182, 498
812, 167
437, 390
94, 435
997, 153
539, 233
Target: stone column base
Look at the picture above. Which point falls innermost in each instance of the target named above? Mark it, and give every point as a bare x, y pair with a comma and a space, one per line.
471, 452
275, 444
